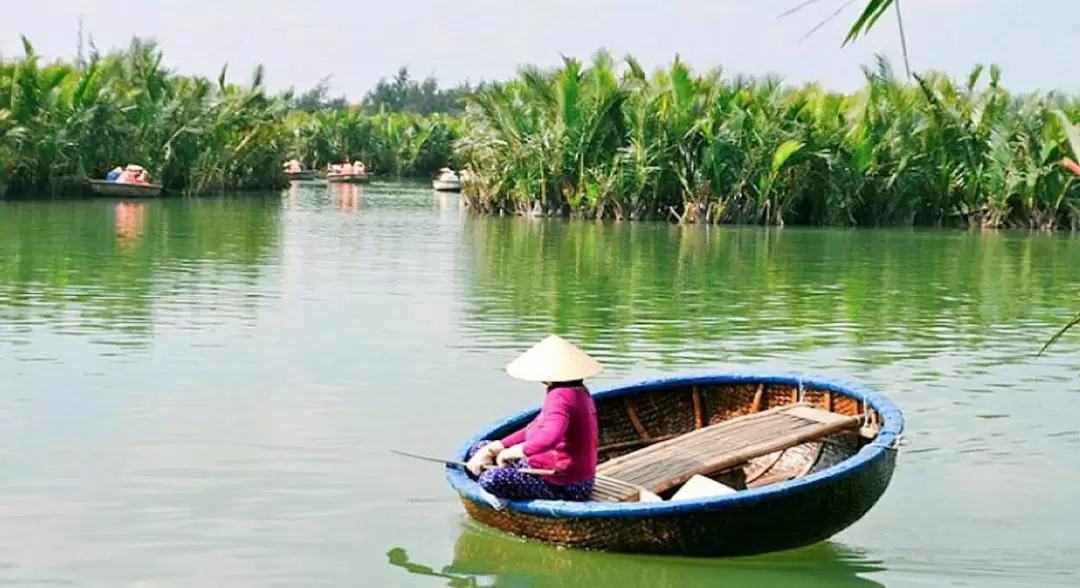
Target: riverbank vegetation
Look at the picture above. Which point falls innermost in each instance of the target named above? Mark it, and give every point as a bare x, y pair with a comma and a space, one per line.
65, 121
599, 140
604, 141
395, 144
69, 120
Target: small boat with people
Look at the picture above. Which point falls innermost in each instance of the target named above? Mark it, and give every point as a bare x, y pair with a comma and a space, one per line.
295, 171
711, 465
131, 181
447, 181
347, 173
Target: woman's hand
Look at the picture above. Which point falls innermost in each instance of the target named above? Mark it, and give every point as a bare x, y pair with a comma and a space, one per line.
511, 454
484, 456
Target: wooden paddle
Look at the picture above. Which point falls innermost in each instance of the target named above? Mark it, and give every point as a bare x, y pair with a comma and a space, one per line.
462, 464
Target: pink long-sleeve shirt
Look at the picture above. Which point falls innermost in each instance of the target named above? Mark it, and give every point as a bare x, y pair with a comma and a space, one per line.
563, 437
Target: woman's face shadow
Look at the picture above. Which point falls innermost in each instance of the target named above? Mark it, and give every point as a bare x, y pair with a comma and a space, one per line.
487, 558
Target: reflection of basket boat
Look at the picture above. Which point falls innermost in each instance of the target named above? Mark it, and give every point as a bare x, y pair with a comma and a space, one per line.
335, 178
501, 561
107, 188
807, 458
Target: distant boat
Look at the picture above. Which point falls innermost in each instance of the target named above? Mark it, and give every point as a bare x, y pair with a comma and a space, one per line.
354, 178
307, 174
446, 185
299, 173
447, 181
107, 188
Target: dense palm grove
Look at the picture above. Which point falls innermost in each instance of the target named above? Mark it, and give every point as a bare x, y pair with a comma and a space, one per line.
603, 140
65, 121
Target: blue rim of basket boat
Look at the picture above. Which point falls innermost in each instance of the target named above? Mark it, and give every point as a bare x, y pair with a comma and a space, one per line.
888, 438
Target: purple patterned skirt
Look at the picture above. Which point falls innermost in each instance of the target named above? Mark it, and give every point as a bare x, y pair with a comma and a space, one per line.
509, 483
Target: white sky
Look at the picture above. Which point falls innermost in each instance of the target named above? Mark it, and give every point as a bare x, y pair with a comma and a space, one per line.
359, 42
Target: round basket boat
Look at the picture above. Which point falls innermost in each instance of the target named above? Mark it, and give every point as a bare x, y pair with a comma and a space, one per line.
116, 189
446, 185
302, 175
791, 481
335, 178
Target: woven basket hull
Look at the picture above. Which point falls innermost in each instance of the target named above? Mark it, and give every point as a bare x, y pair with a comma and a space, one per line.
104, 188
837, 482
794, 520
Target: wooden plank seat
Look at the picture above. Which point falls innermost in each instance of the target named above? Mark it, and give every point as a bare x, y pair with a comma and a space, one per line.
667, 464
609, 489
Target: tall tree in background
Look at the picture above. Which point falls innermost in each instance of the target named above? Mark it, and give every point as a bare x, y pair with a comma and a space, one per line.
402, 93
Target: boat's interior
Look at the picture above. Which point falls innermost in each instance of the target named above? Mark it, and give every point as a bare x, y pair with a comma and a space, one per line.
744, 435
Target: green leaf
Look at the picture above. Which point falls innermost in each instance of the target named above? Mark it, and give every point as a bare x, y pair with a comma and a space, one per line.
873, 11
784, 152
1072, 133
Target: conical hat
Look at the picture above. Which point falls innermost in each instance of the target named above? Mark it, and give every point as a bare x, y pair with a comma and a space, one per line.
553, 360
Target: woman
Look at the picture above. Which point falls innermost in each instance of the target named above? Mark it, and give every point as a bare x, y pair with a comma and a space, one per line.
563, 437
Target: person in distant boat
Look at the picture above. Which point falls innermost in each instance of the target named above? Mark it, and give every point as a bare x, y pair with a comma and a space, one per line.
358, 167
346, 169
115, 173
563, 437
132, 174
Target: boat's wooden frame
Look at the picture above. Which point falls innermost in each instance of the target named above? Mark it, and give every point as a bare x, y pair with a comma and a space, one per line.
788, 494
717, 449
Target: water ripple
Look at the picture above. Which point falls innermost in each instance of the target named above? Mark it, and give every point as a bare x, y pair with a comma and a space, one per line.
212, 402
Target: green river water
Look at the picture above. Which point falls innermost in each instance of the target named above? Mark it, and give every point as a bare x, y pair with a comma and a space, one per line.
205, 393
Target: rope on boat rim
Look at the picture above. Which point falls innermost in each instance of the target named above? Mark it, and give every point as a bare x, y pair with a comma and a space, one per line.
897, 442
